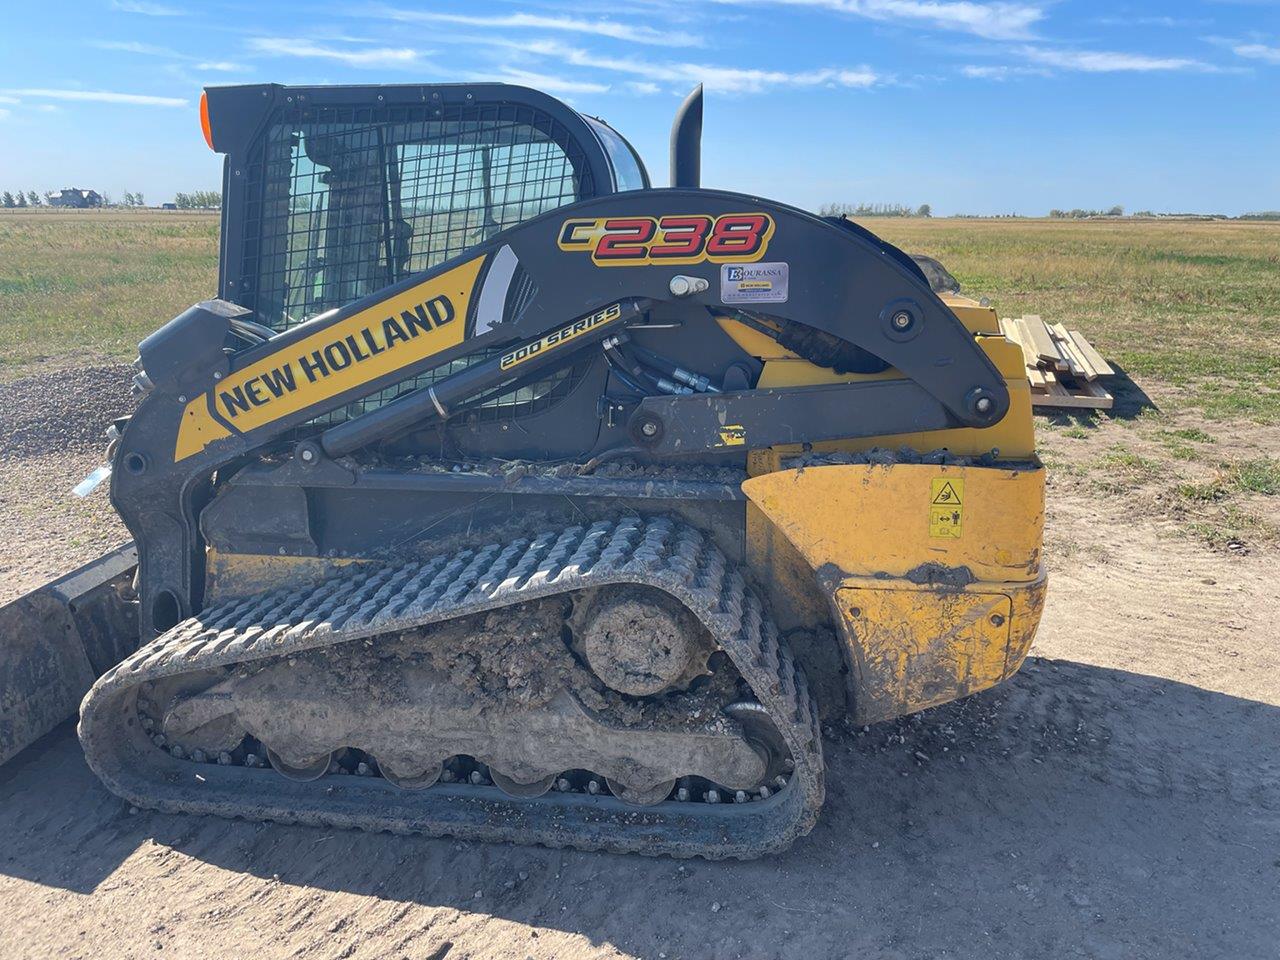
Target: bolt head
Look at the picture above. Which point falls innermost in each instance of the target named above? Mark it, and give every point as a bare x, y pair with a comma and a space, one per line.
901, 320
308, 455
649, 428
984, 405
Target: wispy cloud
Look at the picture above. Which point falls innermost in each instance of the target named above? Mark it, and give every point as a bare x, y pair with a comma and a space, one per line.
546, 82
133, 46
1152, 21
147, 9
643, 87
361, 57
1107, 61
716, 77
9, 100
5, 113
1002, 72
993, 21
1257, 51
151, 50
632, 33
96, 96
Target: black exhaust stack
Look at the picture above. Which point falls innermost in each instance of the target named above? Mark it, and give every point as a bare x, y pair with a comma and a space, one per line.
686, 143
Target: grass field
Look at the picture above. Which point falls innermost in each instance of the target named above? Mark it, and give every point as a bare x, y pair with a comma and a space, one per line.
1195, 304
78, 286
1189, 310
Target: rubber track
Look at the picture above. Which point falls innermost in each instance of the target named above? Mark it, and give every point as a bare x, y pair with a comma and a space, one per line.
364, 604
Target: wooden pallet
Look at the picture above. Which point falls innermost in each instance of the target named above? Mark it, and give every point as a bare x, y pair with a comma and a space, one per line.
1062, 366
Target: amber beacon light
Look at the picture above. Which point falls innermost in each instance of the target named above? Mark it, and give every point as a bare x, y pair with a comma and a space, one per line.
204, 120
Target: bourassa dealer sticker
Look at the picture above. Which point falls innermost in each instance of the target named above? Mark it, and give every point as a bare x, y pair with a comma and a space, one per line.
753, 283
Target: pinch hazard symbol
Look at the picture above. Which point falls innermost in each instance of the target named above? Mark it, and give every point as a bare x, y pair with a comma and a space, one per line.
946, 508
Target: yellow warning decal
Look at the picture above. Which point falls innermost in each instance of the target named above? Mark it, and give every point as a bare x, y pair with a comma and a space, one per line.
734, 435
946, 508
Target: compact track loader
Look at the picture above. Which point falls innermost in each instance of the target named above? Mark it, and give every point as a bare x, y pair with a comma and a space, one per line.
500, 495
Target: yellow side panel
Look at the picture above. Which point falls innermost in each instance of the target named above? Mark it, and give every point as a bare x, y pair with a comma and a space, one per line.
971, 313
230, 575
1013, 436
916, 646
796, 372
754, 342
795, 598
976, 318
933, 572
867, 520
198, 429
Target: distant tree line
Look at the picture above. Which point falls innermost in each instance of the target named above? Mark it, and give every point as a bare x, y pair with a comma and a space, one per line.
874, 210
199, 200
1078, 214
20, 199
30, 198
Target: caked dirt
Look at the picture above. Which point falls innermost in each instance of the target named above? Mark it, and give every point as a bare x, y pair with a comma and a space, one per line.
1119, 798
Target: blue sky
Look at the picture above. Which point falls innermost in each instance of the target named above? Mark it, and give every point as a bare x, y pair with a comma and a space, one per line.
969, 105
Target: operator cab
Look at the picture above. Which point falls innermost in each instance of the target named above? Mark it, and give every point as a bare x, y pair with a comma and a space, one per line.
332, 193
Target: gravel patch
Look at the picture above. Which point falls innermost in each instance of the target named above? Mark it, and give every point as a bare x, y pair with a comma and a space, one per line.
65, 411
52, 433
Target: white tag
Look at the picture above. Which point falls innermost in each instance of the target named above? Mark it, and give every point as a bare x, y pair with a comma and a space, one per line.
92, 481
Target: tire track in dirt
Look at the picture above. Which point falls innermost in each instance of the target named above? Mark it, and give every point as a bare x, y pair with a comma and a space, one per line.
1141, 596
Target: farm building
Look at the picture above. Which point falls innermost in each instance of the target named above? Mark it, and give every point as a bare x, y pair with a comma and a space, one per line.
75, 197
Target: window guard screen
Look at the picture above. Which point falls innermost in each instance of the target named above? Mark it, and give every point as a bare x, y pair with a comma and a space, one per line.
355, 198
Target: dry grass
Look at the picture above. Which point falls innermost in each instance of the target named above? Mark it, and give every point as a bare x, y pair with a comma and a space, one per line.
1190, 311
83, 286
1193, 304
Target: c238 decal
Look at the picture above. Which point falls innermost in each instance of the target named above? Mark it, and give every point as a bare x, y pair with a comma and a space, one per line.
692, 238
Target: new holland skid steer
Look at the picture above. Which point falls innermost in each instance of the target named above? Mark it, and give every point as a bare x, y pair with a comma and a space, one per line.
501, 495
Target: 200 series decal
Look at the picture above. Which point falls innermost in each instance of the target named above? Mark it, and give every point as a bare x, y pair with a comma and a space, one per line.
559, 337
639, 241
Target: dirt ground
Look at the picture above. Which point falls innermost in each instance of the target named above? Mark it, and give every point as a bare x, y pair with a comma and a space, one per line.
1119, 798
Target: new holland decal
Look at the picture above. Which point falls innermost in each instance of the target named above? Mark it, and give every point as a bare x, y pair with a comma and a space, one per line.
640, 241
339, 356
559, 337
335, 356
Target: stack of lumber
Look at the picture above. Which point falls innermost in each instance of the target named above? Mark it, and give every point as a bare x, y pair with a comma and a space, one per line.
1062, 365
